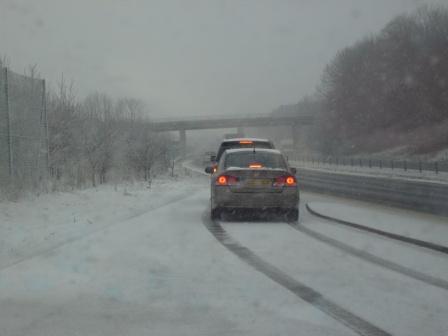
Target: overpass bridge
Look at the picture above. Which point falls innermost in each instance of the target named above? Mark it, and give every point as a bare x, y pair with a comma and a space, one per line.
216, 122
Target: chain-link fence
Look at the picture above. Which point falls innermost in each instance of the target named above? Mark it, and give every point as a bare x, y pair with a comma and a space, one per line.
23, 131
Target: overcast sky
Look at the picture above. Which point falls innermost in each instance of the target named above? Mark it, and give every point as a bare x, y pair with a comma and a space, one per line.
188, 56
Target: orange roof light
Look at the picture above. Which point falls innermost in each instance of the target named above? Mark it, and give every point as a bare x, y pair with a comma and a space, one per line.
255, 165
246, 142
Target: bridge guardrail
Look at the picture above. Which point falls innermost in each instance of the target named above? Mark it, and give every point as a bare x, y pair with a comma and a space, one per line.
430, 197
229, 122
209, 117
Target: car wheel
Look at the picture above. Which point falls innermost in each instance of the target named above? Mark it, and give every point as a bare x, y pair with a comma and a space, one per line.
292, 215
215, 214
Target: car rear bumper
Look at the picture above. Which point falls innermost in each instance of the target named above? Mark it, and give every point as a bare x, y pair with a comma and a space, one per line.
224, 198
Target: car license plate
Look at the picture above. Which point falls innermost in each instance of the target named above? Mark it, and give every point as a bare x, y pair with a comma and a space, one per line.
259, 183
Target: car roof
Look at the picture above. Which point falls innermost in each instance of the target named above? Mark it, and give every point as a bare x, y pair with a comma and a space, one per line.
245, 139
250, 150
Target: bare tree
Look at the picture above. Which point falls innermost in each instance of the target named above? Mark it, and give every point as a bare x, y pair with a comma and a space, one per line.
98, 138
97, 134
62, 123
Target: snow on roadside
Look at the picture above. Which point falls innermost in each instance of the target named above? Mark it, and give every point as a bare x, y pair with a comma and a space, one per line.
407, 223
37, 224
161, 273
191, 168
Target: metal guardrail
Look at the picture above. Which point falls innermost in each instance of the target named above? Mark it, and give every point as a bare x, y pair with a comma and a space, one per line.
428, 197
386, 164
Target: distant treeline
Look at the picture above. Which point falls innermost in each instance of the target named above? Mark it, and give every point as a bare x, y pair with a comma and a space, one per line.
387, 90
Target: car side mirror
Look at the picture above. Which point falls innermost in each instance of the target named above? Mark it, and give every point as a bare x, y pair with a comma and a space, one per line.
293, 170
209, 170
213, 158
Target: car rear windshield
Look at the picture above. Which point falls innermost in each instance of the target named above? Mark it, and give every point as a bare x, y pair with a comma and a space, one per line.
239, 144
255, 160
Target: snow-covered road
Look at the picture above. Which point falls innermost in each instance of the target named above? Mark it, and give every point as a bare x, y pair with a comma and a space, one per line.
151, 267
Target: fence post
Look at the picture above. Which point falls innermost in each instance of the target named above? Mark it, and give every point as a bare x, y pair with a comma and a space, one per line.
8, 124
392, 164
420, 166
370, 163
47, 136
351, 162
360, 163
381, 164
436, 167
405, 165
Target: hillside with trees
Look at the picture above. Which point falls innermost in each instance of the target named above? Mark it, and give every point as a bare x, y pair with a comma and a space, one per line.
386, 91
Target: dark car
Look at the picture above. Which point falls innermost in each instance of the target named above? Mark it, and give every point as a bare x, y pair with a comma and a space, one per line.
239, 143
254, 179
243, 143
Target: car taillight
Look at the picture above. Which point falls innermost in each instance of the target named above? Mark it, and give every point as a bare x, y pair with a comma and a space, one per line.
289, 181
226, 180
221, 180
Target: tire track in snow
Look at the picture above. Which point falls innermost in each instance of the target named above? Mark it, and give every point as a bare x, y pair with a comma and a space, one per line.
394, 236
366, 256
308, 294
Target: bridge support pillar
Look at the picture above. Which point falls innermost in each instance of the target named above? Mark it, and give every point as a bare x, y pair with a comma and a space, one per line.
182, 143
295, 136
240, 131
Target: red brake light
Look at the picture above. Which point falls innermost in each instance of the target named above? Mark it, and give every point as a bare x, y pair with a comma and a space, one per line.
255, 165
246, 142
289, 181
224, 180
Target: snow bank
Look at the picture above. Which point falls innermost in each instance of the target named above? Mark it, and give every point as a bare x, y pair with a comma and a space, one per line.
37, 224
